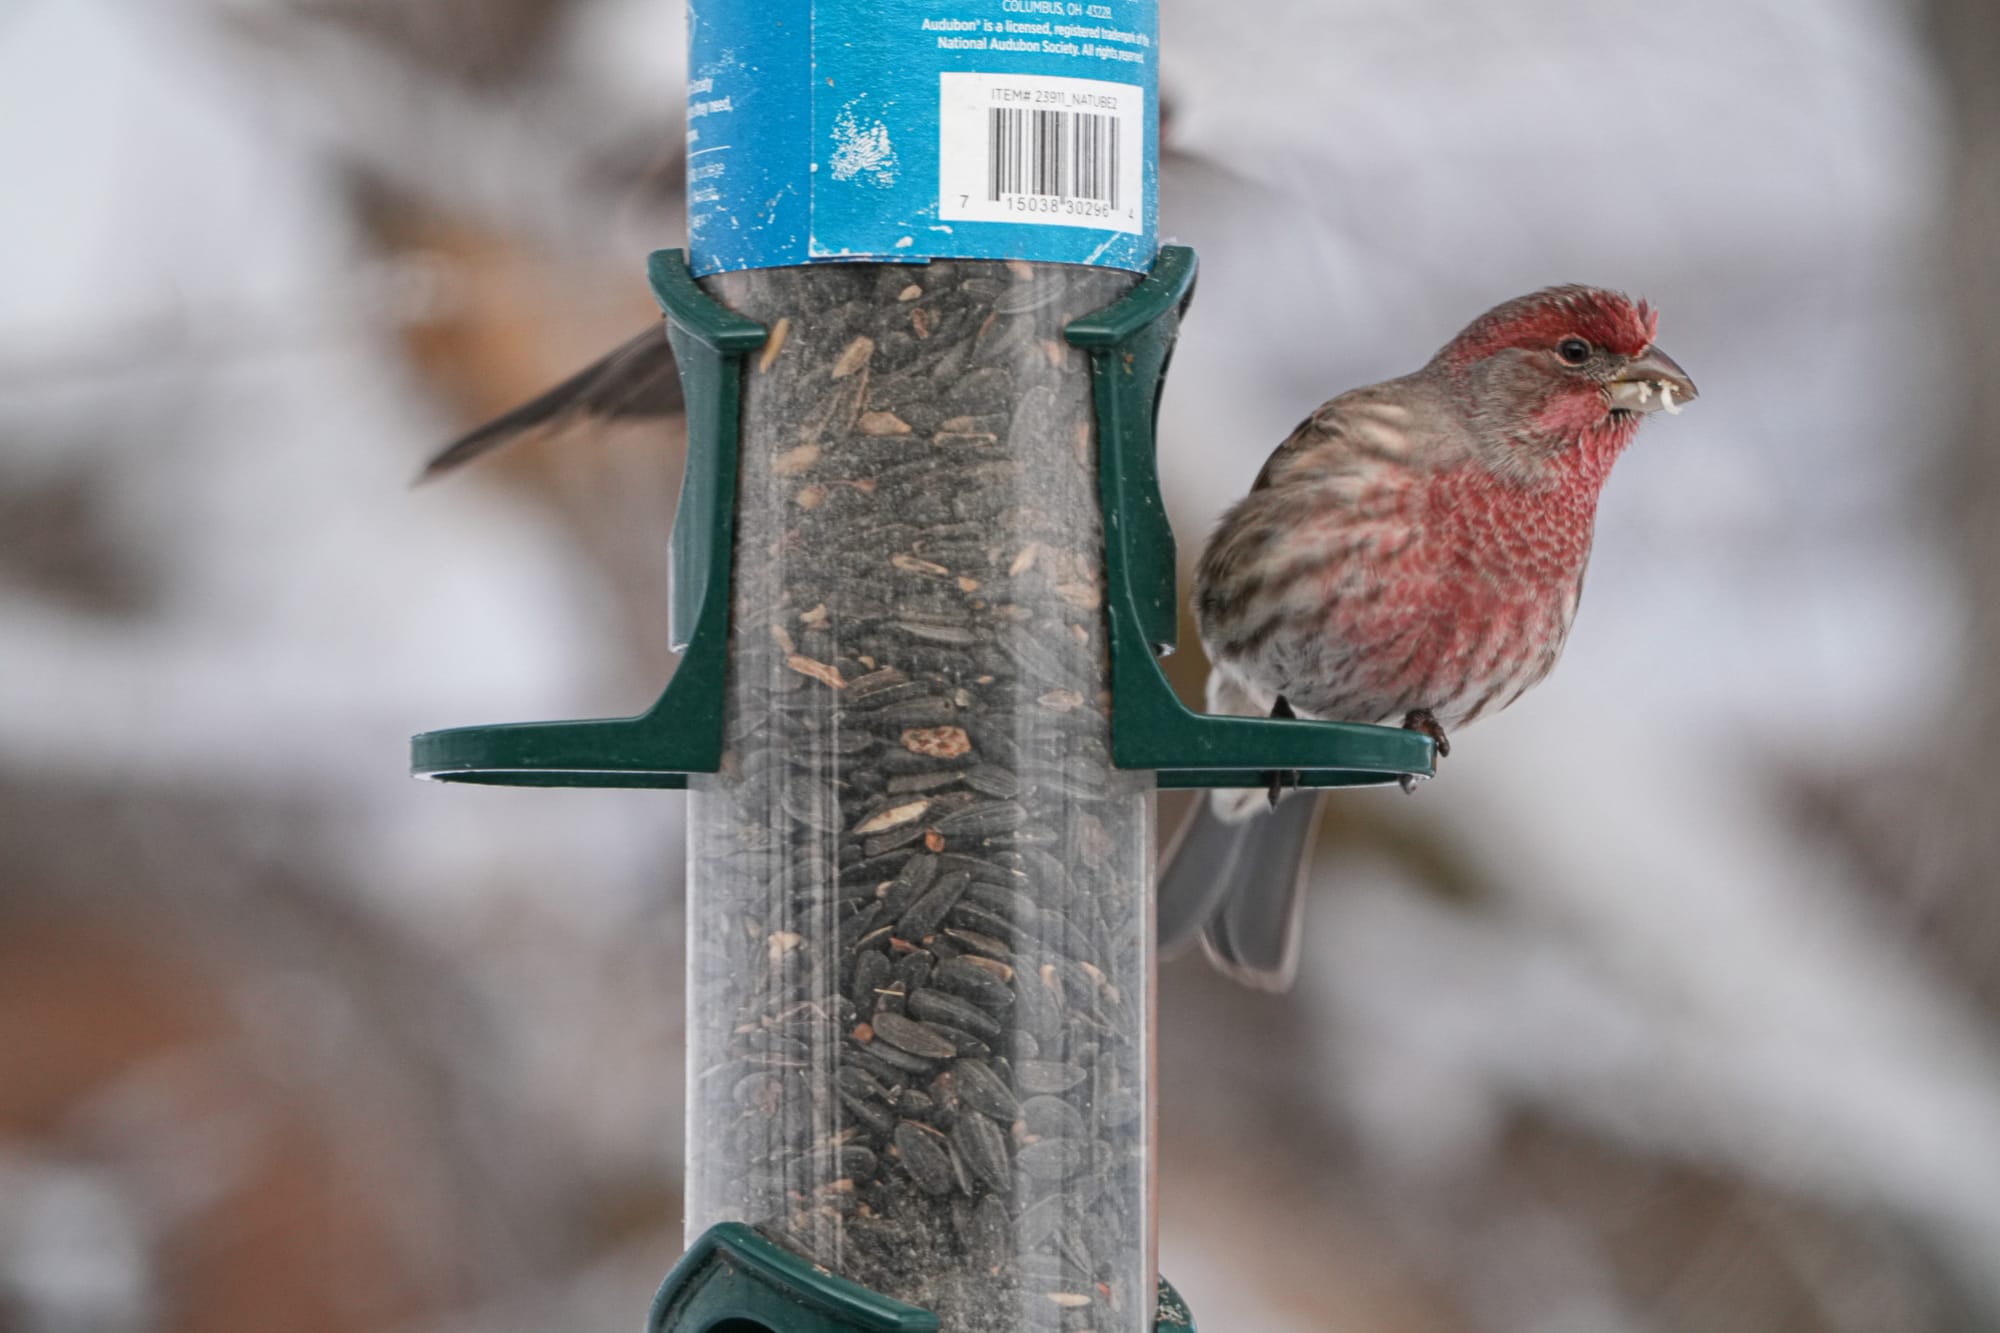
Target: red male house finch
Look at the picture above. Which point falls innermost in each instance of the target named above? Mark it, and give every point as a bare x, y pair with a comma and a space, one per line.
1414, 554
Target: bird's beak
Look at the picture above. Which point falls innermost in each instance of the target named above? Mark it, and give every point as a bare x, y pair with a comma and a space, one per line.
1651, 381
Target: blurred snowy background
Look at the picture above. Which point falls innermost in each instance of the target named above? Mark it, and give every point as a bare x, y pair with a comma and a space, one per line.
1675, 1005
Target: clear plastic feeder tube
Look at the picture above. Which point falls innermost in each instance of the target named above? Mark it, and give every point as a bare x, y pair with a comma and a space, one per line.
919, 894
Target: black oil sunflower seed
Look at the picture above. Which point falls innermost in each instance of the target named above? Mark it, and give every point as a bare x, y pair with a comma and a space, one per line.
924, 916
985, 1092
939, 1007
922, 1153
916, 1037
984, 1148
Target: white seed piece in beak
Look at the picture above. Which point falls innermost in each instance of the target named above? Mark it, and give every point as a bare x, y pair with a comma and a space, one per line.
1667, 399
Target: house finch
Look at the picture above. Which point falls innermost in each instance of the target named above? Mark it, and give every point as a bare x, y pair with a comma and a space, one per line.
1413, 553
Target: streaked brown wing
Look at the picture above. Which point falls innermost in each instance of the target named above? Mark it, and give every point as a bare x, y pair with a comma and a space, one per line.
637, 379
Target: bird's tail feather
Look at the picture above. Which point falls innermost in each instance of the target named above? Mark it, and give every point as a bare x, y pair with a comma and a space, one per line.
1240, 886
1253, 936
1195, 871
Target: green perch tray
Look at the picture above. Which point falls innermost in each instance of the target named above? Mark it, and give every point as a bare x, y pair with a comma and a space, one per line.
733, 1280
1130, 343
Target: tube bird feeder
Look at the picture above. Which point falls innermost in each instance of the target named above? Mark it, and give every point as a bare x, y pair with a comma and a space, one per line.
922, 576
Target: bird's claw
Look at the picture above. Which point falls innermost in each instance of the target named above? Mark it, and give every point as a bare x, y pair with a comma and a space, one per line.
1422, 721
1283, 777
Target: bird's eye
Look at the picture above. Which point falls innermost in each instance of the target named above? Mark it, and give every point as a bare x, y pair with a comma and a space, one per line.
1573, 351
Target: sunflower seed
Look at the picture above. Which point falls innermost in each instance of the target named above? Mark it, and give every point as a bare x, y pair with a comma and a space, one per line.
922, 1153
984, 1148
984, 1092
915, 1037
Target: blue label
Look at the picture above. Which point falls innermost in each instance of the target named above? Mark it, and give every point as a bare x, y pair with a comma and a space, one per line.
917, 129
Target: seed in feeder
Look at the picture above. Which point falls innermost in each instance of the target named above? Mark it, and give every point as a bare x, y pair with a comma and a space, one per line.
893, 817
883, 423
1048, 1076
983, 1091
916, 565
849, 1160
928, 912
1038, 1222
907, 1034
1069, 1300
1050, 1117
934, 632
819, 671
936, 1006
973, 941
963, 1043
859, 1082
875, 1116
964, 978
883, 843
937, 742
987, 1235
794, 461
984, 1148
774, 342
872, 971
922, 1152
910, 293
992, 967
981, 820
810, 497
1084, 595
1051, 1159
853, 357
899, 1059
910, 884
993, 780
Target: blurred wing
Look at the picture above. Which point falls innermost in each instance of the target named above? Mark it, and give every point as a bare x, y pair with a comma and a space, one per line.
636, 380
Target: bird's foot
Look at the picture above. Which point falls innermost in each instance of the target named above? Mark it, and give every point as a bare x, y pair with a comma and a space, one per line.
1284, 777
1422, 720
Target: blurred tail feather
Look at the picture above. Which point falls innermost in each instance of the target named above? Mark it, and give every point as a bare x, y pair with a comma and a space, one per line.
1195, 872
1240, 886
1253, 936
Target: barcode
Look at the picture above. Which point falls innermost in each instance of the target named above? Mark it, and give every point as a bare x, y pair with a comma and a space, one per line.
1041, 150
1052, 154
